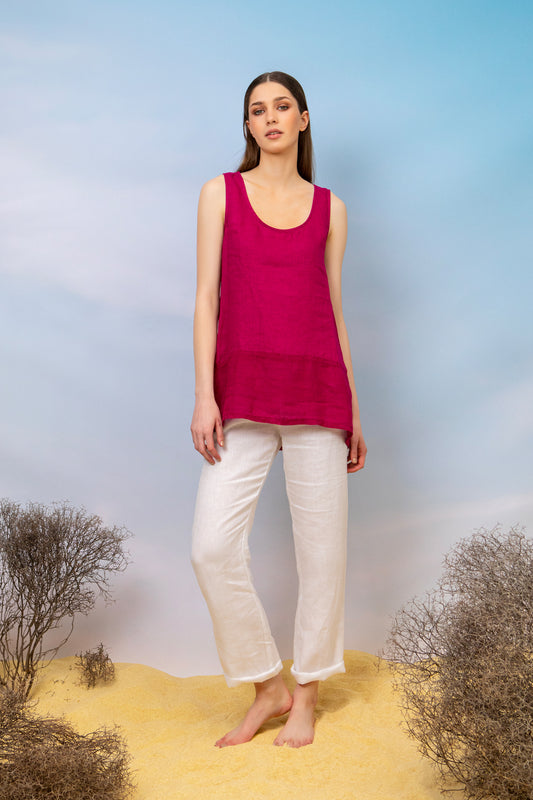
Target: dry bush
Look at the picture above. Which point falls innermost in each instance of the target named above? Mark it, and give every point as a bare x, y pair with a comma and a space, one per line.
54, 563
95, 665
47, 758
464, 663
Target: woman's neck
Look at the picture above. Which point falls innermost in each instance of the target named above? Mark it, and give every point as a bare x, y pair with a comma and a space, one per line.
277, 169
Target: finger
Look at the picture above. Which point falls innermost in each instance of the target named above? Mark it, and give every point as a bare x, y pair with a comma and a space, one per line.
219, 431
201, 447
359, 464
208, 457
356, 459
210, 447
361, 453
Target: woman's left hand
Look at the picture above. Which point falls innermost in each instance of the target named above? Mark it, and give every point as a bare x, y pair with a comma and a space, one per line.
357, 454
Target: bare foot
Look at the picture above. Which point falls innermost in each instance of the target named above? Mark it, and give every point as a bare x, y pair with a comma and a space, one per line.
299, 729
272, 699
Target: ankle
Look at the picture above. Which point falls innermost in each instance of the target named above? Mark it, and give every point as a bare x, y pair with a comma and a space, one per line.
306, 694
271, 687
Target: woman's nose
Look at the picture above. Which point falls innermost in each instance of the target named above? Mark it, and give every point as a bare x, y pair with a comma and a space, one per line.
271, 115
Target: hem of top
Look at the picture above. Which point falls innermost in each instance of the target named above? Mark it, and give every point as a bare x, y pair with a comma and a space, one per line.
263, 676
319, 675
285, 421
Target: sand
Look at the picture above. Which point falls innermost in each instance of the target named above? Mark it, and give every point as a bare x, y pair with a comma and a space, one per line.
170, 724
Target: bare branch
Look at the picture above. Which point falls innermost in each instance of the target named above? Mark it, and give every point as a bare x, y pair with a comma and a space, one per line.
54, 563
45, 757
463, 660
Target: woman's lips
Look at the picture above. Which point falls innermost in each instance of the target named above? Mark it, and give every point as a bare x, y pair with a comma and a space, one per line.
273, 134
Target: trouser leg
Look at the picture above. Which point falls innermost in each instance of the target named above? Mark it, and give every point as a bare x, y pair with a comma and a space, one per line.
225, 507
316, 479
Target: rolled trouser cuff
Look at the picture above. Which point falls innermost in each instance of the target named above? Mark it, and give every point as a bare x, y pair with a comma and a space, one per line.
255, 678
319, 675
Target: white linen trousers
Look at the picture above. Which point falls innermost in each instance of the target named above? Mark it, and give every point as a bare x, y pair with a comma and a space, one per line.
314, 460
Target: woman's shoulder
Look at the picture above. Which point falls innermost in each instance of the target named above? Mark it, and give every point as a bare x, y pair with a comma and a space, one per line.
336, 202
338, 206
213, 195
214, 187
212, 199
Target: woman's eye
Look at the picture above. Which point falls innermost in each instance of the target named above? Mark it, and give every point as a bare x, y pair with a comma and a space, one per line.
281, 107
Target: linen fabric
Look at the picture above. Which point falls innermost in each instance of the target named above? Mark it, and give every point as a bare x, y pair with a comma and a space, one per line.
314, 460
278, 356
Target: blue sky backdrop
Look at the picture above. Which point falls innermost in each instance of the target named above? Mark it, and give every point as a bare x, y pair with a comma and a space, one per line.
113, 116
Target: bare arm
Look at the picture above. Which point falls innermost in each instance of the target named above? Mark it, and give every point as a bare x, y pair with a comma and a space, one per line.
206, 420
335, 247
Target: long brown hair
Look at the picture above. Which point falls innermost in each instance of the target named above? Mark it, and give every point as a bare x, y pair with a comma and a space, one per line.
250, 159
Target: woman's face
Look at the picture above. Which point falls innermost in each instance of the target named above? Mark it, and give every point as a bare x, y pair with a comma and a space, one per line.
273, 117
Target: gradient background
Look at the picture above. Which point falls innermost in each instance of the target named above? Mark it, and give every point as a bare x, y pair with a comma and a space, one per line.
113, 116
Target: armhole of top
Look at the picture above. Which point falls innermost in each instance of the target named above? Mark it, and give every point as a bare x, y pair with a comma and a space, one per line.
227, 179
328, 212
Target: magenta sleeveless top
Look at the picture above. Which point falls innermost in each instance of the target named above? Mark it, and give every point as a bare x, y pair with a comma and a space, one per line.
278, 357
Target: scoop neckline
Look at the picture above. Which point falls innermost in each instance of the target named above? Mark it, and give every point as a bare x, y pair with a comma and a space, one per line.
272, 227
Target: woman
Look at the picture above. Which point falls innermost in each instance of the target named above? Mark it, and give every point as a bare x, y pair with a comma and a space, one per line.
273, 371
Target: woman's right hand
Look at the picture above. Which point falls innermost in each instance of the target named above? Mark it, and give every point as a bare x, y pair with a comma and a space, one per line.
206, 425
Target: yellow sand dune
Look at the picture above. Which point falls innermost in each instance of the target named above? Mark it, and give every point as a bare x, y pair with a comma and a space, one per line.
360, 751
